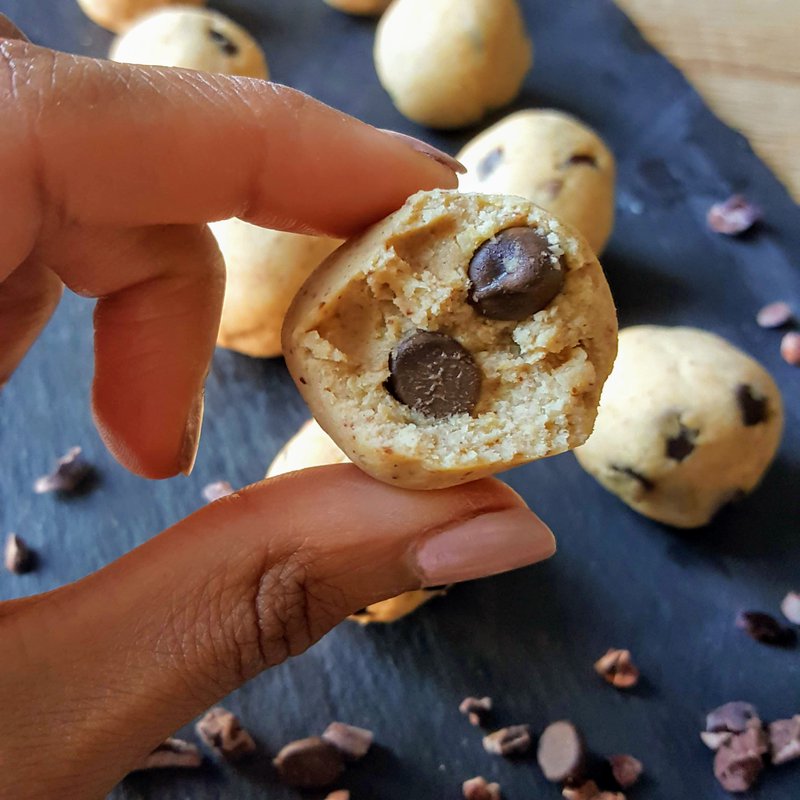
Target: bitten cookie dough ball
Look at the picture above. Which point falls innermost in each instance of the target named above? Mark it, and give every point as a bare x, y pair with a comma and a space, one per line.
312, 447
687, 423
191, 38
445, 63
265, 269
360, 7
458, 337
551, 159
116, 15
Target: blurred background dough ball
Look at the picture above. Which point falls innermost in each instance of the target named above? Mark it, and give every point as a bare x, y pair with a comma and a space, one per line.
360, 7
445, 63
265, 268
116, 15
191, 38
551, 159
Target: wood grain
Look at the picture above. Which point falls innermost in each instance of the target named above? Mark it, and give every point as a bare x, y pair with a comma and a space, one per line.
743, 57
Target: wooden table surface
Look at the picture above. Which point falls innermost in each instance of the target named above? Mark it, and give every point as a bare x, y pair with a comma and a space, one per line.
743, 57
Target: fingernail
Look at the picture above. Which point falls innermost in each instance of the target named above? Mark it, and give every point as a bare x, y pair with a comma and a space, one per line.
191, 436
428, 150
485, 545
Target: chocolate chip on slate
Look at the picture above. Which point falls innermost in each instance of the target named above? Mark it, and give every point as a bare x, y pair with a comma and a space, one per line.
784, 740
583, 159
476, 709
215, 491
753, 407
434, 374
479, 788
645, 482
790, 607
681, 446
561, 753
626, 769
223, 42
309, 763
774, 315
511, 741
790, 348
617, 668
69, 473
222, 731
733, 216
765, 628
19, 558
489, 163
738, 763
514, 274
172, 753
352, 742
733, 717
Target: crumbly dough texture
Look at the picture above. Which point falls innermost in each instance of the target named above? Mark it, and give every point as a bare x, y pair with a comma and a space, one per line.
116, 15
680, 385
553, 160
360, 7
541, 376
445, 63
312, 447
265, 268
191, 38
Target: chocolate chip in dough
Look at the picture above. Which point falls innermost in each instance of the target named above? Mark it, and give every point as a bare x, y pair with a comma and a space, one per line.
310, 763
172, 753
489, 163
753, 408
352, 742
784, 740
434, 374
733, 717
514, 274
581, 158
19, 558
681, 446
562, 753
223, 42
511, 741
765, 628
738, 763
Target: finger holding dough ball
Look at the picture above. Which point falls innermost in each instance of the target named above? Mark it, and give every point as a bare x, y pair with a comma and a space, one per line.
191, 38
446, 63
116, 15
365, 8
460, 336
687, 423
312, 447
551, 159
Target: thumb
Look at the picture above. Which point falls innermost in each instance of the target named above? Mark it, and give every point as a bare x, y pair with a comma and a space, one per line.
129, 654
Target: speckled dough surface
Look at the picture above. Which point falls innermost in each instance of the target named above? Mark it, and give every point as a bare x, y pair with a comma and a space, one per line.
445, 63
265, 268
687, 423
116, 15
551, 159
540, 376
191, 38
360, 7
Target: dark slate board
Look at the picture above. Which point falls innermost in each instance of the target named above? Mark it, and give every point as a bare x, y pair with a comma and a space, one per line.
528, 638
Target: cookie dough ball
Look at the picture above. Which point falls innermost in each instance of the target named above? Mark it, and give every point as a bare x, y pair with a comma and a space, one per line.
312, 447
360, 7
460, 336
445, 63
553, 160
191, 38
116, 15
687, 423
265, 269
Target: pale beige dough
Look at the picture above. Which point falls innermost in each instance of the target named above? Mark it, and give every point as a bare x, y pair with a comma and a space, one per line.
553, 160
445, 63
265, 268
670, 387
542, 376
116, 15
191, 38
312, 447
361, 7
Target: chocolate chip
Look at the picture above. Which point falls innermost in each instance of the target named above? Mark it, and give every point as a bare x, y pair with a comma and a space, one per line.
511, 741
681, 446
784, 740
733, 717
172, 753
738, 763
352, 742
19, 558
581, 158
222, 731
309, 763
646, 483
514, 274
216, 491
733, 216
617, 668
489, 163
223, 42
68, 475
774, 315
626, 769
476, 709
433, 374
479, 789
790, 348
561, 753
765, 628
753, 408
790, 607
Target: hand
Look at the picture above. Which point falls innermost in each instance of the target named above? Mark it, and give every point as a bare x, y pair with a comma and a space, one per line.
110, 173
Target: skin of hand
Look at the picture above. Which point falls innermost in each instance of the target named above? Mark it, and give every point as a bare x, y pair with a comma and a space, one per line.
110, 173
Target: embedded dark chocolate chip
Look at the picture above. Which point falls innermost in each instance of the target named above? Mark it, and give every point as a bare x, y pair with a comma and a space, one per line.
754, 409
489, 163
562, 753
434, 374
223, 42
309, 763
582, 158
637, 476
514, 274
682, 445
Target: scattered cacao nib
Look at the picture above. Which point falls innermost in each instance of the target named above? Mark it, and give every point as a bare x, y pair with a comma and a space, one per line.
626, 769
561, 753
514, 740
784, 739
309, 763
479, 789
476, 709
172, 753
69, 473
733, 717
215, 491
765, 628
738, 763
339, 794
733, 216
790, 348
352, 742
790, 607
19, 558
617, 669
774, 315
589, 791
222, 732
